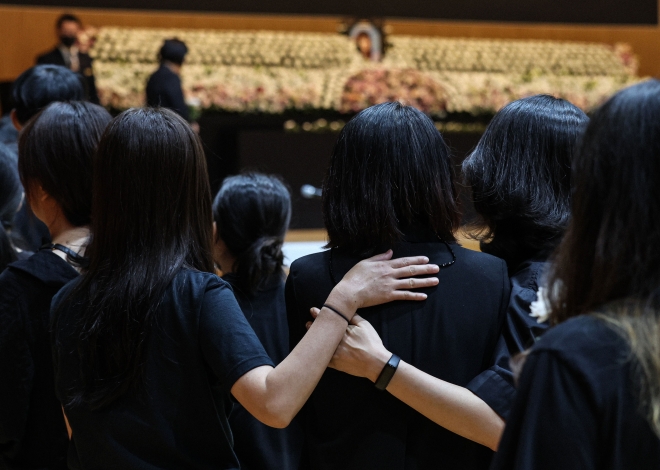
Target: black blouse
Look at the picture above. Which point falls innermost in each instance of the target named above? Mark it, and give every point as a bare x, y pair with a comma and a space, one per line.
496, 385
578, 405
348, 423
32, 429
202, 346
257, 446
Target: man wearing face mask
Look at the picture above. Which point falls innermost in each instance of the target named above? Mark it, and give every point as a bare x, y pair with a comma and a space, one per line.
67, 53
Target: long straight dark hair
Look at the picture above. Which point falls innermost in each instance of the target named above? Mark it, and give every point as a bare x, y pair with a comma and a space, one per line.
609, 261
151, 216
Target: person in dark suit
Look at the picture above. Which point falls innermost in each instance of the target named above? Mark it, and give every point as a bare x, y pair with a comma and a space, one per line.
67, 53
390, 185
164, 86
251, 214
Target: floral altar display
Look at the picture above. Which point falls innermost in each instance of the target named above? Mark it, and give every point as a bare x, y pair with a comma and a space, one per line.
274, 72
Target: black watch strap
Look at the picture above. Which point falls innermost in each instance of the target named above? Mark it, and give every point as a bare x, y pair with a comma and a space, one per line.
388, 372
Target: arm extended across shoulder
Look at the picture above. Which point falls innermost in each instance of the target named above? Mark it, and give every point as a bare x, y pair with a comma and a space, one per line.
274, 396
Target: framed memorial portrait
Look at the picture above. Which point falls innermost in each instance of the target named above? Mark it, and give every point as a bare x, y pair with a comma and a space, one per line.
368, 39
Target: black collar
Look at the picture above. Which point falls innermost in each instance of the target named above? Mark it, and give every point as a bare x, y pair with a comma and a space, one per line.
47, 267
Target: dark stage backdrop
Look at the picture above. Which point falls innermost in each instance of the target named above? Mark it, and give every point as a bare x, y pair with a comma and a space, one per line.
543, 11
243, 143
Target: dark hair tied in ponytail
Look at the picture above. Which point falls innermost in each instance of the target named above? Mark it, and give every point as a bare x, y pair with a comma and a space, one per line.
252, 213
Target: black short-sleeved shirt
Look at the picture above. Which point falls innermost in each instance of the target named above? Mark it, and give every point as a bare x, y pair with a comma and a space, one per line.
348, 423
202, 345
577, 406
32, 429
257, 446
496, 385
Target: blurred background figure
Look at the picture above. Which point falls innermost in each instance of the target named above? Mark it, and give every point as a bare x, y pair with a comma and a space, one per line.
251, 214
8, 133
70, 54
164, 86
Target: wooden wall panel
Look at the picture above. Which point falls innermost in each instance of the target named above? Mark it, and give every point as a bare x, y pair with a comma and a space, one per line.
644, 40
27, 31
638, 12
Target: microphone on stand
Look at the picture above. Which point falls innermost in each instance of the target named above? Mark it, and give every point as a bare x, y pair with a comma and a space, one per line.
310, 192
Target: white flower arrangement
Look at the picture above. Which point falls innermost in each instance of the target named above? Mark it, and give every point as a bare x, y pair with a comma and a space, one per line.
540, 308
271, 72
532, 58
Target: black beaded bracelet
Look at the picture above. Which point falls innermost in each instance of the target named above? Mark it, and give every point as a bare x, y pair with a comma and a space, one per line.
387, 373
337, 312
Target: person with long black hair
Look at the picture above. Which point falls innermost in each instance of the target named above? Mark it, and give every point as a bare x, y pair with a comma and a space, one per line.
11, 197
55, 166
390, 184
520, 176
589, 392
149, 343
251, 213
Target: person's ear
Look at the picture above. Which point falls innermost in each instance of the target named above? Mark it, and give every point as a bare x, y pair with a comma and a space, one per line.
215, 231
41, 203
37, 193
14, 120
220, 247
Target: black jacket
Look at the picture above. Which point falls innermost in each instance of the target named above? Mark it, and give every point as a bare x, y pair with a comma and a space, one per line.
496, 385
164, 89
452, 335
32, 429
55, 57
